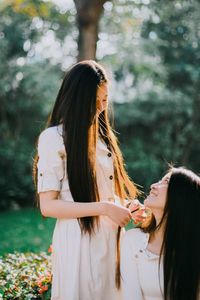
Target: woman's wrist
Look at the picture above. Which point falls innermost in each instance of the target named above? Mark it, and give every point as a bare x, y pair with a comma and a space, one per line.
103, 208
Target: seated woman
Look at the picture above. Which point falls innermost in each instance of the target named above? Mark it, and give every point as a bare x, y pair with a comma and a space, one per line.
162, 261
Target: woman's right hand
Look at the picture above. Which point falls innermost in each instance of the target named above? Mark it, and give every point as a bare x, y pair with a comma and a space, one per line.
117, 213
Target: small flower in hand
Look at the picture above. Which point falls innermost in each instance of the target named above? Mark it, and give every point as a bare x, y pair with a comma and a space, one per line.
139, 213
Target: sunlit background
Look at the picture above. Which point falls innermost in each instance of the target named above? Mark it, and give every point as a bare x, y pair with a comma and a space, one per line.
151, 50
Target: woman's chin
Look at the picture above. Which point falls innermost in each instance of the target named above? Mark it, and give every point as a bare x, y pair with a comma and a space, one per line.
149, 199
148, 202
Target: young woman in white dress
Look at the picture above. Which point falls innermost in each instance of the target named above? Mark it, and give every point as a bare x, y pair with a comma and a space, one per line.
164, 262
81, 180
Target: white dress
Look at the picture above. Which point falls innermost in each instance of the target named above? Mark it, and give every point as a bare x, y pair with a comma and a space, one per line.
141, 278
83, 268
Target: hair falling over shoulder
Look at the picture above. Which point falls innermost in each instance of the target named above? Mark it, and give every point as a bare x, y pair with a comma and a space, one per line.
75, 108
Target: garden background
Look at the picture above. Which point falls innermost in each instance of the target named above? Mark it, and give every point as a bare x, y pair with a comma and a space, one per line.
151, 50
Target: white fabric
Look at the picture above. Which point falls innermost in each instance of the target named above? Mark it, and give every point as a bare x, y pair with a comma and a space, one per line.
141, 278
83, 267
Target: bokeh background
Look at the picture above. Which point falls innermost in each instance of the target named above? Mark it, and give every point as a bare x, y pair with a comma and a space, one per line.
151, 50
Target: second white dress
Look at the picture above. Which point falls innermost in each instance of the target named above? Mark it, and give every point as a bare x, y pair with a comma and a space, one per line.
142, 279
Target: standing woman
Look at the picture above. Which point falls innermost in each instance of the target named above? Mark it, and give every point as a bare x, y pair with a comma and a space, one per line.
81, 176
164, 262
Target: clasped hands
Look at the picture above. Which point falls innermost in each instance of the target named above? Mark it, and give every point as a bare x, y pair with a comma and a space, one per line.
123, 215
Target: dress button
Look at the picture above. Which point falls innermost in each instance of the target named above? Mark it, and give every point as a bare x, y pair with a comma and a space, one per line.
109, 154
141, 250
111, 199
40, 174
111, 177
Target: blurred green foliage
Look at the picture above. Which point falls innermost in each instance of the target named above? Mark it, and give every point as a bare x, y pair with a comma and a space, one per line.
26, 89
161, 124
25, 231
155, 62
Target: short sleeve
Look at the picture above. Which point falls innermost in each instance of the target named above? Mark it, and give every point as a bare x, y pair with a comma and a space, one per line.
50, 163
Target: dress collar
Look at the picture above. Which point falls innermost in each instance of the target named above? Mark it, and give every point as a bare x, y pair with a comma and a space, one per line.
143, 249
101, 145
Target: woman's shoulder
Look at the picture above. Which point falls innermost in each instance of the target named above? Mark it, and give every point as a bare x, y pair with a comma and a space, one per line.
135, 238
51, 137
51, 133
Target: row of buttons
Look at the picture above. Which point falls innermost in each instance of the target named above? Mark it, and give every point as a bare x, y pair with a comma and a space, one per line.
109, 155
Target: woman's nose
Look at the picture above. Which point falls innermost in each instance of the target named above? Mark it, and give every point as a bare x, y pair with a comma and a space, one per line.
153, 185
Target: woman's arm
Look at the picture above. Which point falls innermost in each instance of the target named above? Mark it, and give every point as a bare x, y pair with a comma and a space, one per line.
51, 206
129, 274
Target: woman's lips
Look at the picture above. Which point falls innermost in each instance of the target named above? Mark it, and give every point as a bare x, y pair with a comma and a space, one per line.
151, 196
153, 193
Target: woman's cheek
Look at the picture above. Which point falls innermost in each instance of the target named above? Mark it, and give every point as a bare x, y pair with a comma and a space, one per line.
99, 106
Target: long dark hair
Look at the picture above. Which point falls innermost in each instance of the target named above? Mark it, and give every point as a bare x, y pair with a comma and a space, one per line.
181, 243
75, 108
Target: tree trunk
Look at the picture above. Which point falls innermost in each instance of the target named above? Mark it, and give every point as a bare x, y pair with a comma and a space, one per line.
88, 16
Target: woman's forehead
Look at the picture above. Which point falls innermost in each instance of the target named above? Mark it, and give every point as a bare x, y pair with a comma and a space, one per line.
167, 176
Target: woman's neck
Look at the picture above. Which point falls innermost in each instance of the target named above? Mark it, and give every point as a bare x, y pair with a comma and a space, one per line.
156, 240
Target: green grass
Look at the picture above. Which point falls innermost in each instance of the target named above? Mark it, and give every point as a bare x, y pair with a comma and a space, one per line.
25, 230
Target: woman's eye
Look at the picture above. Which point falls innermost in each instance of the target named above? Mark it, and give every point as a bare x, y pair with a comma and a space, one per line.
166, 181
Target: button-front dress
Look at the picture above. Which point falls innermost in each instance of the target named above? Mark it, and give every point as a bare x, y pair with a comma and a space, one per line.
83, 267
142, 279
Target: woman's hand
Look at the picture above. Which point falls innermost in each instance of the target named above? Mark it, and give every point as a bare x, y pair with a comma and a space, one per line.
117, 213
138, 212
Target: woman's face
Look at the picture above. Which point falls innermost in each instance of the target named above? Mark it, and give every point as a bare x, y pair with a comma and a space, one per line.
157, 197
102, 97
